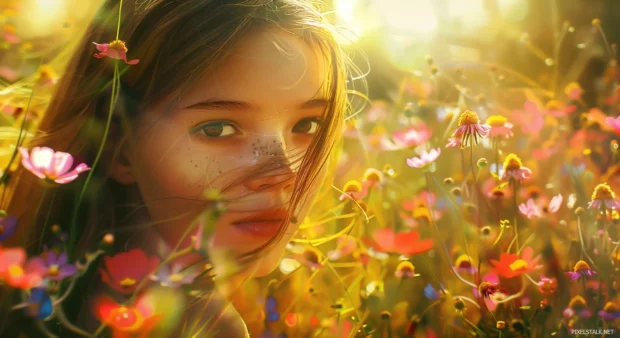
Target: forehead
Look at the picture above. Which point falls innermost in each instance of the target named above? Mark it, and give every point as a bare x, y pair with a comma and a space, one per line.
269, 67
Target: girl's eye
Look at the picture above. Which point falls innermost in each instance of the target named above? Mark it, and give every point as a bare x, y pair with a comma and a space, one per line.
307, 126
217, 129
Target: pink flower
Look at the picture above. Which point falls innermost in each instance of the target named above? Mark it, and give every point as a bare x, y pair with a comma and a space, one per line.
614, 123
346, 245
499, 127
45, 163
453, 142
13, 272
115, 50
529, 209
412, 136
426, 158
514, 169
531, 119
469, 130
555, 204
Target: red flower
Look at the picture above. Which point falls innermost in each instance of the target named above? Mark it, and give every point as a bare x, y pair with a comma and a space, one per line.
511, 265
115, 50
127, 321
13, 272
124, 271
404, 243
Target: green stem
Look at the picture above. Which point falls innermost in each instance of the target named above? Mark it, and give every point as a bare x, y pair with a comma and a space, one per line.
115, 90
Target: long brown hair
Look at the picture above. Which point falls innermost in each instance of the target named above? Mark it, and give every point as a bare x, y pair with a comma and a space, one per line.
176, 42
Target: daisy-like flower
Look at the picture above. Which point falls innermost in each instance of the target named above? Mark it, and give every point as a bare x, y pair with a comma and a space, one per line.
174, 275
610, 311
127, 321
529, 209
405, 270
514, 169
573, 90
464, 264
603, 197
12, 271
403, 243
499, 127
577, 307
511, 265
115, 50
51, 165
124, 271
547, 286
425, 159
412, 136
52, 265
469, 129
581, 269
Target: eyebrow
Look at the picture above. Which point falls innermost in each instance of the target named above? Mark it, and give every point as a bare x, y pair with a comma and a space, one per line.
242, 105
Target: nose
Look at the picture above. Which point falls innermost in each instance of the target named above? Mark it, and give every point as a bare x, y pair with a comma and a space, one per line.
273, 174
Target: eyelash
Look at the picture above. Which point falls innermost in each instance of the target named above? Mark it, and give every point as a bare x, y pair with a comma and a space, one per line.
223, 124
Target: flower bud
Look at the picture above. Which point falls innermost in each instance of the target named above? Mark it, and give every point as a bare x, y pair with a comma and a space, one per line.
448, 181
482, 162
108, 239
596, 22
386, 315
579, 211
500, 324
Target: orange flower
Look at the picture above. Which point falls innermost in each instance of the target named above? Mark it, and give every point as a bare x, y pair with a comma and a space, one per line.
404, 243
511, 265
127, 321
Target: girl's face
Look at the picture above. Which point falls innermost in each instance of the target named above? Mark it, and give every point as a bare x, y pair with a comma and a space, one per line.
258, 110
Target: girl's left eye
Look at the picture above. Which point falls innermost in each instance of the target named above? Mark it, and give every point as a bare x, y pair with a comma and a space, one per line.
307, 126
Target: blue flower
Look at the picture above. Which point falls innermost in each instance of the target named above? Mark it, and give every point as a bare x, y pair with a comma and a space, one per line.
39, 305
8, 224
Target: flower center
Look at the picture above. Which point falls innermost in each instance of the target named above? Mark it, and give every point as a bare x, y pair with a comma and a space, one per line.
406, 268
463, 262
512, 162
53, 270
603, 192
15, 271
118, 45
352, 186
519, 264
175, 278
127, 282
577, 303
372, 175
468, 117
124, 318
496, 121
553, 105
611, 307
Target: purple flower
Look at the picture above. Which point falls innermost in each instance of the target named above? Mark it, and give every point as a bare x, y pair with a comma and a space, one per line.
581, 269
174, 275
8, 224
610, 311
52, 265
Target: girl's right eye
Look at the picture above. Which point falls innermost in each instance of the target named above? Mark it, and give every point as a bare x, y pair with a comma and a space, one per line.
216, 129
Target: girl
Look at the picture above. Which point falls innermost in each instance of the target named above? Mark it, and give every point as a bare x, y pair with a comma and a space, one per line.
245, 98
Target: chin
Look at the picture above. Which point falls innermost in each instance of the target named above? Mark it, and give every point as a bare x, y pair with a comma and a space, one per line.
269, 262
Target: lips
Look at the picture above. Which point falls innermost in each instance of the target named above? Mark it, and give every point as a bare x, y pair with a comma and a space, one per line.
264, 224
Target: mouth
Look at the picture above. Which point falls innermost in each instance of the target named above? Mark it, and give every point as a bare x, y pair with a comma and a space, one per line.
265, 224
